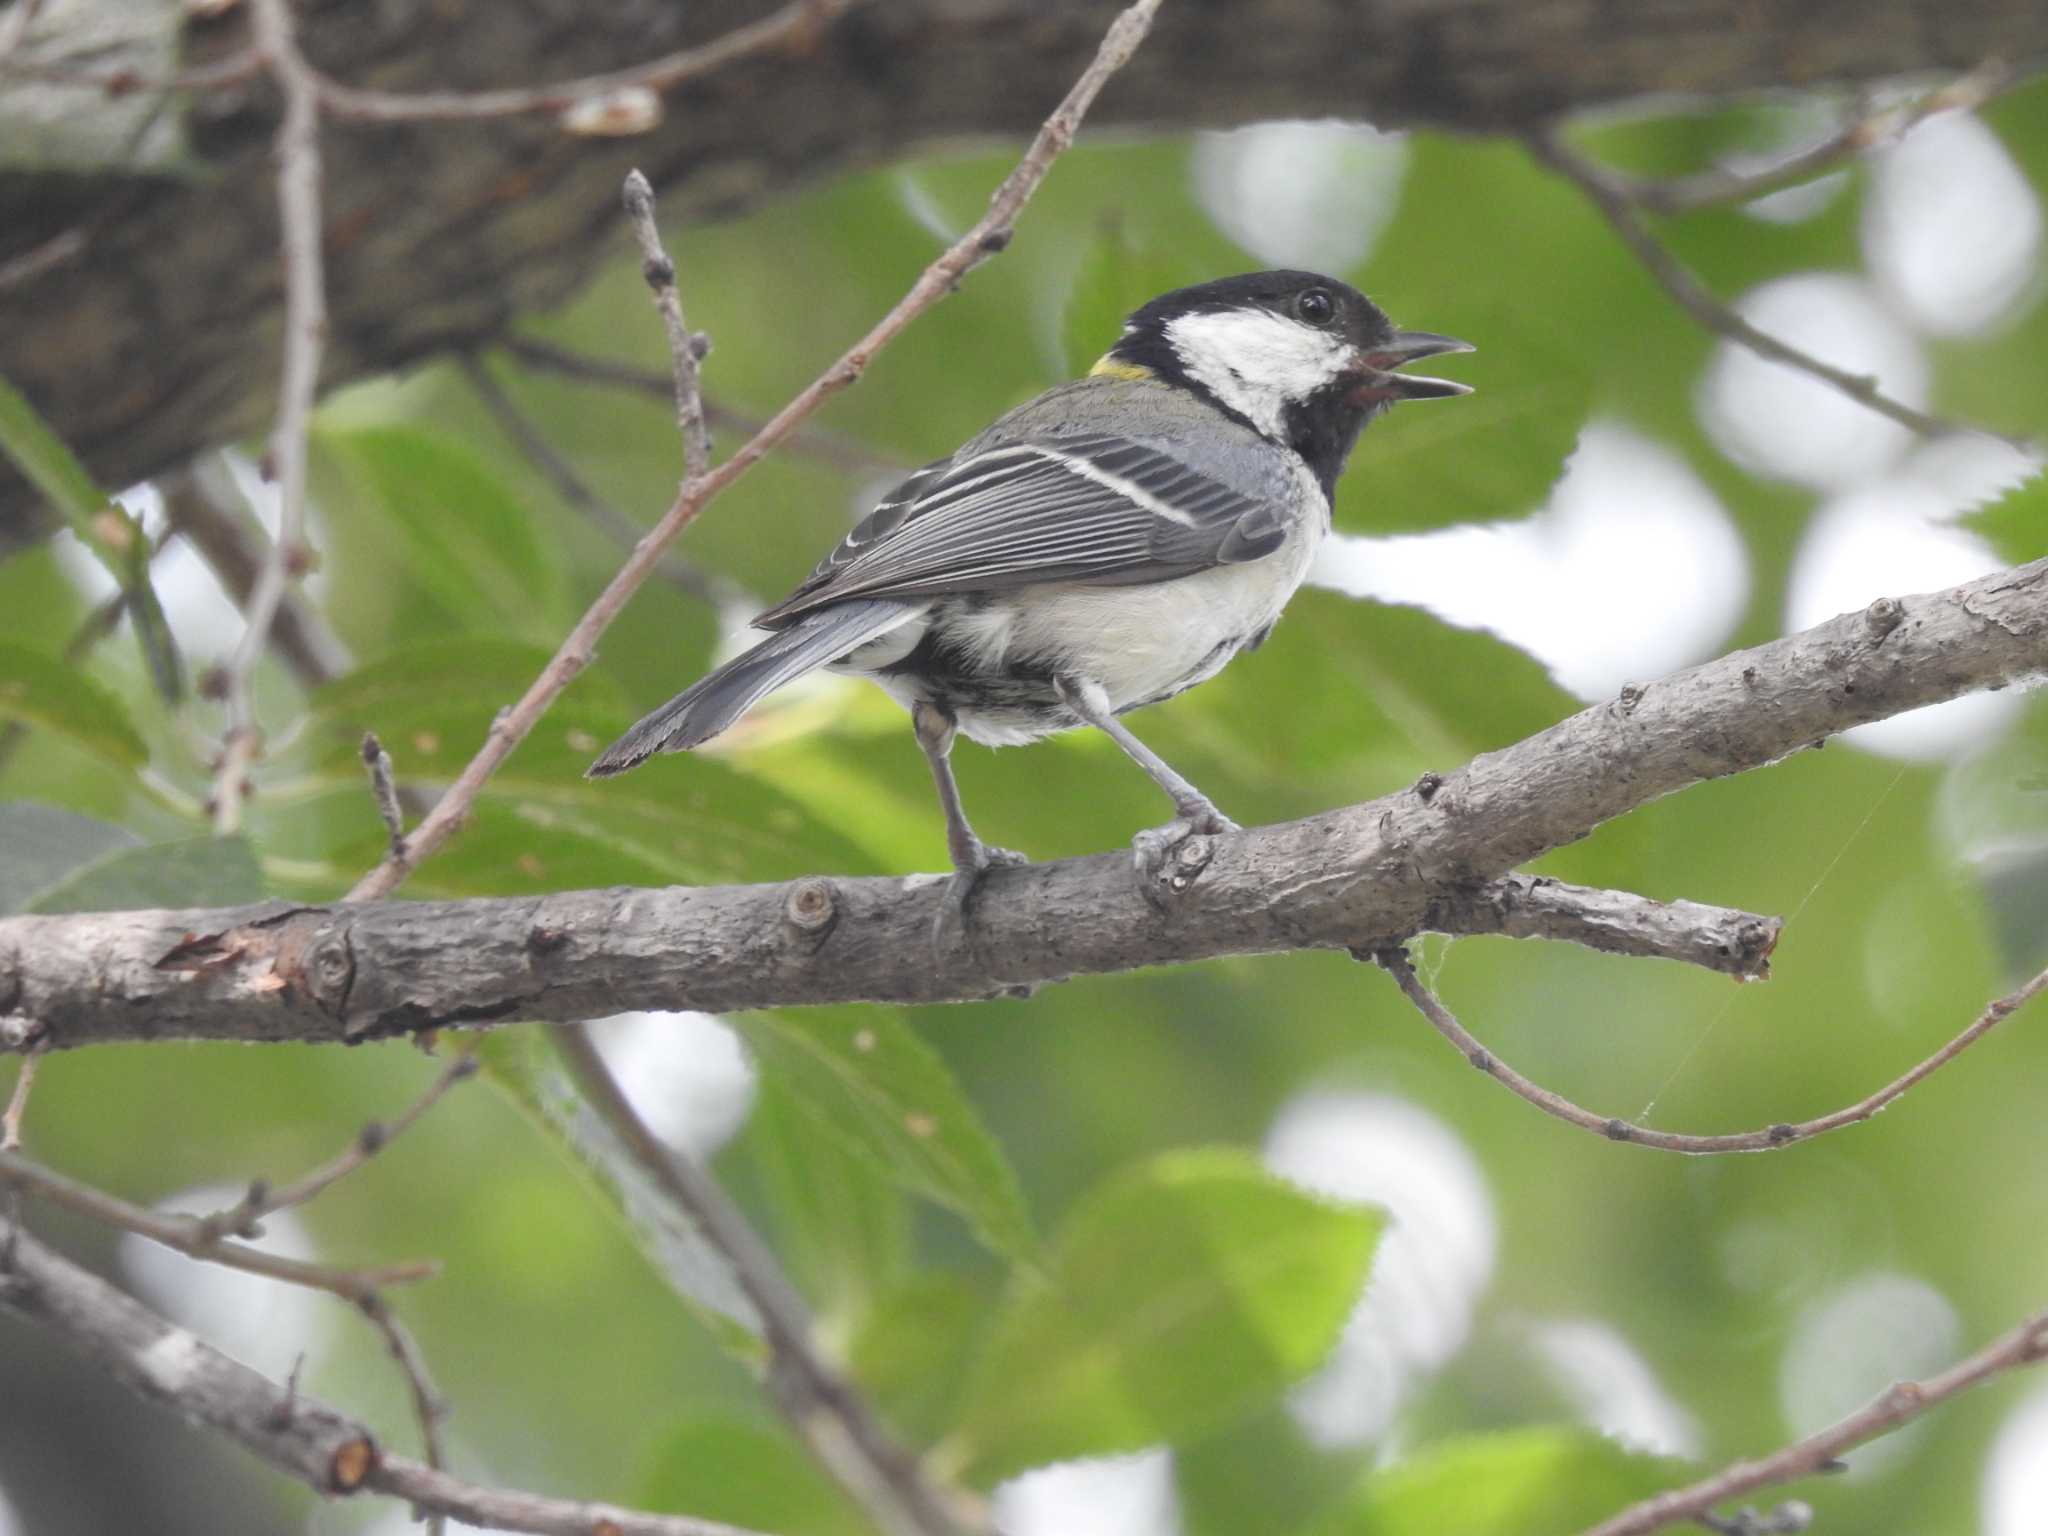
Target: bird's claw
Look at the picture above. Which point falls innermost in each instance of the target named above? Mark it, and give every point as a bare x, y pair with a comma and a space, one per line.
949, 927
1171, 858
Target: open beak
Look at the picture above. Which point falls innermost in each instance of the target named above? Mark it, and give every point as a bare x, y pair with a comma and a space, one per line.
1381, 382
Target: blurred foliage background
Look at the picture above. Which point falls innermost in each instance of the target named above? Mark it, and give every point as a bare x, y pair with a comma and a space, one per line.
1555, 1324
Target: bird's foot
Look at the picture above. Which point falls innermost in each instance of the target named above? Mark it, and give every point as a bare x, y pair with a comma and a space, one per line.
1171, 858
949, 928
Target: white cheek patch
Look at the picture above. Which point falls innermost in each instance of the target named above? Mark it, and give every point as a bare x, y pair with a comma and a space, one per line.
1255, 361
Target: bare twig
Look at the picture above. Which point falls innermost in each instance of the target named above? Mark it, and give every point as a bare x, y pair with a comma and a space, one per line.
1737, 944
297, 1434
384, 790
1397, 964
2025, 1345
812, 441
834, 1420
194, 1237
686, 348
428, 1406
233, 69
989, 235
261, 1200
791, 28
17, 1101
38, 259
573, 489
305, 333
1864, 129
1615, 203
205, 508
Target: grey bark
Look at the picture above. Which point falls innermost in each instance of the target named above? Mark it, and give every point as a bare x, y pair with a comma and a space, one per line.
148, 328
1357, 878
296, 1434
171, 1366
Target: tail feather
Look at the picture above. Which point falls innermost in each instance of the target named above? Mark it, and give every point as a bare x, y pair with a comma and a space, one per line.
719, 698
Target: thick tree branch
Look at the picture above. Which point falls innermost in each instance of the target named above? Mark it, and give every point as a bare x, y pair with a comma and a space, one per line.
297, 1435
494, 218
1360, 877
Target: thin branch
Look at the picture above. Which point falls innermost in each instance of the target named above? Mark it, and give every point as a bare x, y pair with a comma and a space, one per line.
233, 69
820, 1404
429, 1408
792, 29
1737, 944
17, 1101
812, 441
1614, 201
261, 1200
290, 1431
204, 508
34, 262
384, 790
1864, 129
574, 490
2026, 1345
1397, 964
193, 1236
305, 333
686, 348
989, 235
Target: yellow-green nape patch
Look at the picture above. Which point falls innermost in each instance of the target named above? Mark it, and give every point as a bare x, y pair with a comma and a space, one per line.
1113, 367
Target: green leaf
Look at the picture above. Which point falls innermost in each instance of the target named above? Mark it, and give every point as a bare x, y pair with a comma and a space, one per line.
524, 1067
1525, 1482
1492, 455
2016, 523
45, 692
1182, 1293
47, 463
44, 845
844, 1229
888, 1098
192, 872
540, 825
431, 704
1114, 278
468, 538
102, 524
747, 1475
913, 1349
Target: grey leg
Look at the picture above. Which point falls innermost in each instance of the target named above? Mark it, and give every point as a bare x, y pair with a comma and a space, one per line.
1195, 811
972, 858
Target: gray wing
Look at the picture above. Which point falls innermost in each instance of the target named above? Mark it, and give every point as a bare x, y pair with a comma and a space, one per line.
1091, 508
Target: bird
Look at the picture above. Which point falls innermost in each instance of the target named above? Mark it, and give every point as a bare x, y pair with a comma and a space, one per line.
1104, 546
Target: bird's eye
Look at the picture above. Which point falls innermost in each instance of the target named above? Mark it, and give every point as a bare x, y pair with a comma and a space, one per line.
1315, 306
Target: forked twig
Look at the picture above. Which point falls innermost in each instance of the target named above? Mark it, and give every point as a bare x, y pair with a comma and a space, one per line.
1616, 205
